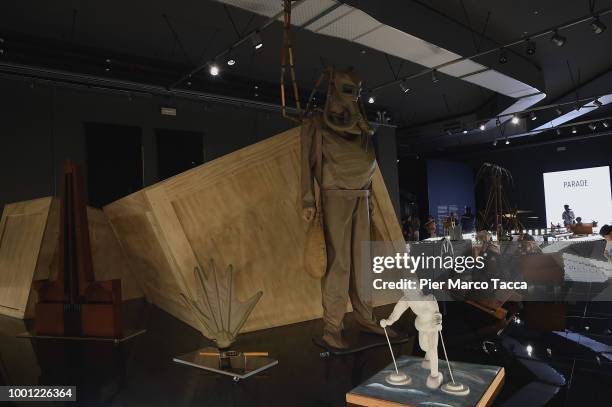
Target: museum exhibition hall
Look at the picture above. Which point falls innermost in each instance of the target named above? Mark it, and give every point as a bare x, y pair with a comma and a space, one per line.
267, 203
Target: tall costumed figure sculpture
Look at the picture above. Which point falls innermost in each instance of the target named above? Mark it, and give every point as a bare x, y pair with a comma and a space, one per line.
338, 154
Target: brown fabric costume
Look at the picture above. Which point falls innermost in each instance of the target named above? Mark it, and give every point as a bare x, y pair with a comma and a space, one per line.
347, 166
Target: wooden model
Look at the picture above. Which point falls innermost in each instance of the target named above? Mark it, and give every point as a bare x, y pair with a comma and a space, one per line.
242, 209
74, 303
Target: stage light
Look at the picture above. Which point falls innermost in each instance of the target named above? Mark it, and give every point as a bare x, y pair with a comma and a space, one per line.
371, 100
515, 119
531, 48
532, 116
404, 86
213, 70
558, 39
606, 124
559, 111
574, 131
482, 126
592, 126
597, 26
434, 76
503, 58
597, 103
256, 40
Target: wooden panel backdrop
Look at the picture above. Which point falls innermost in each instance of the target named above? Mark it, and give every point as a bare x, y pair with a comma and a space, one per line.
241, 209
29, 234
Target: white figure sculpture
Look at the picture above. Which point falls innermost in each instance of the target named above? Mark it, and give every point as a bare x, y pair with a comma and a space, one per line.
428, 322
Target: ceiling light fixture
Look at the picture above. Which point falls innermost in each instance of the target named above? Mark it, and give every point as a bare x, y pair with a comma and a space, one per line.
574, 131
404, 86
494, 142
532, 116
465, 131
597, 26
559, 111
515, 119
371, 100
558, 39
434, 76
503, 57
592, 126
256, 40
482, 126
507, 141
531, 48
606, 124
213, 70
597, 103
558, 132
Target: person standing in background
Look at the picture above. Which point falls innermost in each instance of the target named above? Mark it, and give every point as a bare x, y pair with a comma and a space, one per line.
568, 216
430, 226
606, 233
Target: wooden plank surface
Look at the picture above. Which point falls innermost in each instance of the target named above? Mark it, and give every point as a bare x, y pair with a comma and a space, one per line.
241, 209
29, 233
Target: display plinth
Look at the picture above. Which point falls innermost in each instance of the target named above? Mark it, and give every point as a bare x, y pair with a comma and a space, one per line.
238, 367
484, 382
125, 335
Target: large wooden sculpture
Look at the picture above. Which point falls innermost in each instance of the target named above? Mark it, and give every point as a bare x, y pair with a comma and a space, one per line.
74, 304
29, 234
242, 209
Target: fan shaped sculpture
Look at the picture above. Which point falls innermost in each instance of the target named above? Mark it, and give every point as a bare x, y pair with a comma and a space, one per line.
219, 313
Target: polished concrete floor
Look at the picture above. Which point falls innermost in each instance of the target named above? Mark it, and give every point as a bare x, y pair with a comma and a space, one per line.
140, 372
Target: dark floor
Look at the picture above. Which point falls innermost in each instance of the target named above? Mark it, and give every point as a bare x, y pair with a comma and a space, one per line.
140, 372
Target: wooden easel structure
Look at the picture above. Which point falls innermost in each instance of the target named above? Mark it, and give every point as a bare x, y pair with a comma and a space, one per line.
498, 206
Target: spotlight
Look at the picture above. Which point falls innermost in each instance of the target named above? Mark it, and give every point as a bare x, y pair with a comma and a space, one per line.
529, 349
213, 70
574, 131
597, 26
371, 100
532, 116
558, 39
597, 103
592, 126
464, 131
256, 40
494, 142
606, 124
503, 58
507, 141
231, 61
559, 111
404, 86
482, 126
515, 119
434, 76
531, 48
558, 132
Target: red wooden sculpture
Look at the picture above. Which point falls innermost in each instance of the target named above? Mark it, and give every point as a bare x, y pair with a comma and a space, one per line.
74, 304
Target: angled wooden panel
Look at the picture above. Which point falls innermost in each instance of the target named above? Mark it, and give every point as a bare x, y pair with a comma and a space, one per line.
21, 234
29, 233
241, 209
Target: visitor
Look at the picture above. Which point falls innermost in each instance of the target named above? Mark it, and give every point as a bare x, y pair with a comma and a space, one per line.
430, 226
568, 216
606, 233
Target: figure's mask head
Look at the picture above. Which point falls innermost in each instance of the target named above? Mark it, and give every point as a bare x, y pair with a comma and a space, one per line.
343, 112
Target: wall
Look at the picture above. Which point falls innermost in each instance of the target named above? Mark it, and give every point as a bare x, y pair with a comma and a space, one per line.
450, 187
40, 126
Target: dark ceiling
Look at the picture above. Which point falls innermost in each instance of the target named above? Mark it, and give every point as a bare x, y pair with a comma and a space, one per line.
156, 43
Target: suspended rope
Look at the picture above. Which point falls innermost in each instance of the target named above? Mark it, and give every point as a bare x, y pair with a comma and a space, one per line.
287, 63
